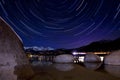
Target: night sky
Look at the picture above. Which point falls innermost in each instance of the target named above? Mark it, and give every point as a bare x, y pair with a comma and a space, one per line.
62, 23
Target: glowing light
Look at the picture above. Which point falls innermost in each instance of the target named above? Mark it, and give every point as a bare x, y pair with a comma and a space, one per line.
75, 61
30, 56
101, 52
81, 59
76, 53
102, 58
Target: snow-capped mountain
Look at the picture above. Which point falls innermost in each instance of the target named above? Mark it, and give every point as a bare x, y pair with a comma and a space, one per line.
35, 48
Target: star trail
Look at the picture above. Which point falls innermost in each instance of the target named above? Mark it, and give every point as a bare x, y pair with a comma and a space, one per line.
62, 23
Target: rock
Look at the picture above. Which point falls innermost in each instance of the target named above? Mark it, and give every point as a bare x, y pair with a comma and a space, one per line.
113, 58
23, 72
92, 66
113, 70
64, 58
64, 67
91, 57
41, 63
11, 52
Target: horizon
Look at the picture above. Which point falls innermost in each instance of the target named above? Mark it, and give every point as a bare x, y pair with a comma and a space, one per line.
70, 48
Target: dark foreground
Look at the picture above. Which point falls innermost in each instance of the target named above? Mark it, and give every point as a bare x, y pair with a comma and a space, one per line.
86, 71
55, 71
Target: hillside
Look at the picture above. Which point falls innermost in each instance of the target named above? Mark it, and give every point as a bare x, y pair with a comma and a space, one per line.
103, 45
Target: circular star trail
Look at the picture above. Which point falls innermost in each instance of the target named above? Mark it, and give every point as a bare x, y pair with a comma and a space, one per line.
62, 23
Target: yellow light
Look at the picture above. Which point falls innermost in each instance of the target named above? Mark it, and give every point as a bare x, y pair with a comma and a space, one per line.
30, 56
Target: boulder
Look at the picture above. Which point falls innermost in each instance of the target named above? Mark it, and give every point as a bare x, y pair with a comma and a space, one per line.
113, 58
91, 57
11, 52
64, 58
92, 66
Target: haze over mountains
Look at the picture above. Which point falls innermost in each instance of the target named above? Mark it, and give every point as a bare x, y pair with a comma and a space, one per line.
102, 45
36, 48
